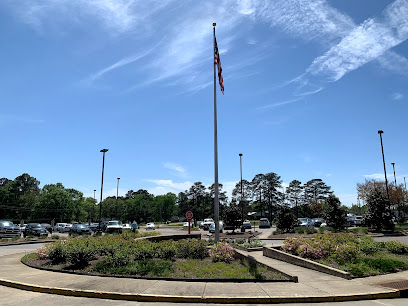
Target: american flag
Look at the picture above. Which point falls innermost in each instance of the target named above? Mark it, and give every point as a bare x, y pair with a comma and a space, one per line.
217, 61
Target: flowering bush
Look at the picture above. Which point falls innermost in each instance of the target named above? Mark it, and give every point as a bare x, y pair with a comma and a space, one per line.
43, 252
221, 252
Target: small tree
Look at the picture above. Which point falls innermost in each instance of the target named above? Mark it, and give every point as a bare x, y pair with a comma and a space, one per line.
286, 220
232, 217
334, 214
379, 214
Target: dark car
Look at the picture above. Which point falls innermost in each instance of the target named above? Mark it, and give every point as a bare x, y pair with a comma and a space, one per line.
264, 223
47, 226
34, 229
8, 229
79, 229
94, 226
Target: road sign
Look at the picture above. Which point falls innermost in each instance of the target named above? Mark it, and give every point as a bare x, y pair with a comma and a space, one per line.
189, 215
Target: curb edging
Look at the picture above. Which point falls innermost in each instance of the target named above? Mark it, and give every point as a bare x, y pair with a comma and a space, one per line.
195, 299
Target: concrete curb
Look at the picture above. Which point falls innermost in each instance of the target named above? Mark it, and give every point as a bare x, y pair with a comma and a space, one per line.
196, 299
30, 242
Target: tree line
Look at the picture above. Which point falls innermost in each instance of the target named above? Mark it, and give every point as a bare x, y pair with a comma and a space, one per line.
23, 199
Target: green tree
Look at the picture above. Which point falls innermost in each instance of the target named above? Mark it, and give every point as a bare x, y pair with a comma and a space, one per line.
232, 217
379, 215
316, 190
165, 206
285, 219
334, 214
273, 184
294, 195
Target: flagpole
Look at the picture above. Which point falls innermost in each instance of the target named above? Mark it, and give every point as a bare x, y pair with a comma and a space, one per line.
216, 204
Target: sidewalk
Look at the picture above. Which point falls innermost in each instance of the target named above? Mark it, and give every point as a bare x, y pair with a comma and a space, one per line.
313, 286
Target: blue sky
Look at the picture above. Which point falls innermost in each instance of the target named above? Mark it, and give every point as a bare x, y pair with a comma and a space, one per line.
307, 86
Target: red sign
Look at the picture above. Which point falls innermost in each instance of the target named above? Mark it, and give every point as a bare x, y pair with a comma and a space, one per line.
189, 215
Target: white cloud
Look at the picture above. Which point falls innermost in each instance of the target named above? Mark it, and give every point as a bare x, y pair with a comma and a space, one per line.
394, 63
397, 96
120, 63
165, 186
278, 104
176, 169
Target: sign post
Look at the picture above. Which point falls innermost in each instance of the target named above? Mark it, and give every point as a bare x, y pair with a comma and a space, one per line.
189, 216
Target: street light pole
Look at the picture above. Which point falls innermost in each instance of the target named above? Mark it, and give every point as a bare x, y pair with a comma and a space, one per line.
117, 193
100, 203
93, 209
395, 178
242, 203
385, 171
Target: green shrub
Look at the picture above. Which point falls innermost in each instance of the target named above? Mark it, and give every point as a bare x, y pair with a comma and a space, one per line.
368, 245
56, 237
79, 252
300, 231
57, 252
165, 249
240, 241
119, 258
395, 247
347, 252
194, 249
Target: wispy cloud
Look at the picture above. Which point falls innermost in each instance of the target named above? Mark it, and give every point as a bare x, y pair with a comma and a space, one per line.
123, 62
397, 96
165, 186
366, 42
277, 104
176, 169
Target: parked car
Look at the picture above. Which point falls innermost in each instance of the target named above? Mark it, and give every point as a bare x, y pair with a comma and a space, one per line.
185, 225
205, 225
350, 221
93, 227
264, 223
127, 227
22, 227
79, 229
34, 229
211, 229
247, 224
47, 226
65, 229
8, 229
150, 226
317, 222
57, 226
358, 220
304, 223
114, 227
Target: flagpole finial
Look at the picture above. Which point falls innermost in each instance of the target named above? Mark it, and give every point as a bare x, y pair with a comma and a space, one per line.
214, 24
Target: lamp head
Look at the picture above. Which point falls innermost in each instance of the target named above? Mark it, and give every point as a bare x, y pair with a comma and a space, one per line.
380, 132
104, 150
118, 178
240, 154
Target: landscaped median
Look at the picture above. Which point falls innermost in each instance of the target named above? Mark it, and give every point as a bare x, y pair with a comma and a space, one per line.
343, 254
127, 256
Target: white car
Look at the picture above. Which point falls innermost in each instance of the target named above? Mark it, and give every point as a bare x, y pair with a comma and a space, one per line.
114, 226
57, 227
150, 226
185, 225
212, 227
127, 227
